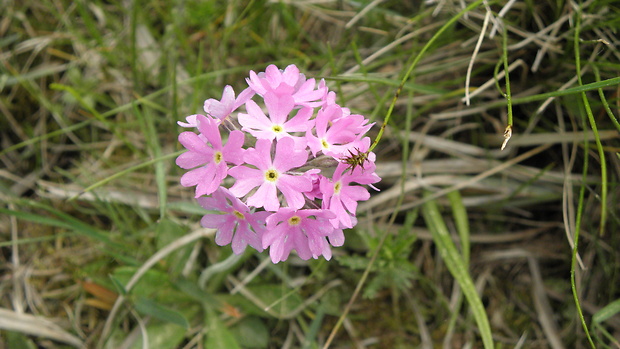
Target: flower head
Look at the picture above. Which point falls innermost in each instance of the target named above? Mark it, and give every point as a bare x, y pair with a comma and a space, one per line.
191, 121
223, 108
306, 231
333, 132
236, 223
299, 165
341, 197
208, 155
271, 176
287, 82
278, 124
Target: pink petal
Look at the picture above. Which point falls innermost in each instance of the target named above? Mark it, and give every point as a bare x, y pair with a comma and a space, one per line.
192, 141
279, 107
243, 97
225, 232
290, 75
273, 76
265, 196
260, 155
233, 151
247, 179
336, 239
300, 122
255, 83
209, 128
286, 157
211, 220
193, 159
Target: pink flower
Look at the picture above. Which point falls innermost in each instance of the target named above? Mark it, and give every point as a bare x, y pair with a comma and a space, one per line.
358, 147
359, 124
236, 224
191, 121
340, 197
333, 132
288, 82
277, 125
222, 109
298, 187
270, 176
305, 231
206, 151
315, 178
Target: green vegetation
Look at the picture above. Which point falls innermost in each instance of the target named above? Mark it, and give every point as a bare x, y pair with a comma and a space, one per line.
465, 244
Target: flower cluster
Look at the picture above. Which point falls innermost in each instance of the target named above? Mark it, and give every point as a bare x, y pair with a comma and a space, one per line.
297, 160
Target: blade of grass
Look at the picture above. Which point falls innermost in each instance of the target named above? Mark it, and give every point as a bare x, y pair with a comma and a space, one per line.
146, 118
462, 227
611, 115
573, 266
597, 138
415, 62
63, 221
606, 312
126, 171
462, 222
109, 125
147, 100
457, 266
313, 331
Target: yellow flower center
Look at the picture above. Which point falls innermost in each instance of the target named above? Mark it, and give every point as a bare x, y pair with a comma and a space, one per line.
295, 220
271, 175
337, 187
217, 157
324, 144
238, 214
277, 128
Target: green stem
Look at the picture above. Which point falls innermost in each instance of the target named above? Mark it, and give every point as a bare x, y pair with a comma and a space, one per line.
507, 75
582, 190
611, 115
597, 138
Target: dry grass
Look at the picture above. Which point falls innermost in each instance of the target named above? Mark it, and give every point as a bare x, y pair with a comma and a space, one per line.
90, 96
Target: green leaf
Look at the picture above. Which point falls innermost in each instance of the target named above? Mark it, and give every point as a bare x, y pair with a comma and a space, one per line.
353, 262
218, 335
251, 332
160, 335
191, 289
120, 288
167, 232
18, 340
148, 307
149, 283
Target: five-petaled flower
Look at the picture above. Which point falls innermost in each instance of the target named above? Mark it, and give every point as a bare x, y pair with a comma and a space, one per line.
305, 231
236, 224
223, 108
271, 176
278, 124
208, 153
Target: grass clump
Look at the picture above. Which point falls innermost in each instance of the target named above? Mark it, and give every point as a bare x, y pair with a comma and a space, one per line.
465, 244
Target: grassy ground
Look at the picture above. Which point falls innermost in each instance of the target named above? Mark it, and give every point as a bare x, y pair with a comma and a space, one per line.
465, 245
